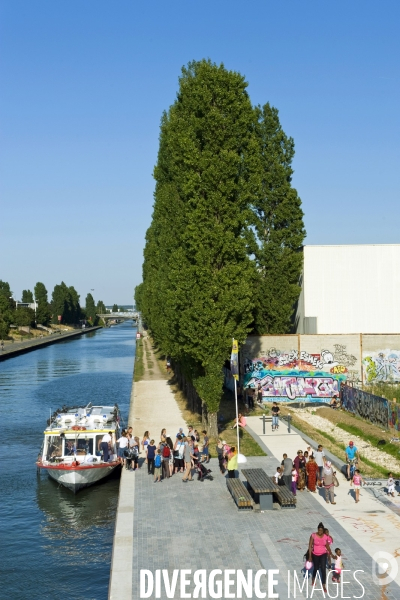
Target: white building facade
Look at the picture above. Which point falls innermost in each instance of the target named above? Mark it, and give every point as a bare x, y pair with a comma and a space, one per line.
350, 289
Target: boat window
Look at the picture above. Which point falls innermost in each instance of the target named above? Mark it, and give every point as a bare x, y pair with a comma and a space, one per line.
54, 447
84, 446
97, 410
69, 448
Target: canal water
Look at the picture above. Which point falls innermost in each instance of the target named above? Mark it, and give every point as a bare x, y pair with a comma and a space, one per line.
55, 544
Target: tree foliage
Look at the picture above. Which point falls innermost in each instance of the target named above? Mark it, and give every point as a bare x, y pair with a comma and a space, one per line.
43, 313
7, 306
278, 227
222, 255
27, 296
65, 303
115, 308
90, 309
24, 316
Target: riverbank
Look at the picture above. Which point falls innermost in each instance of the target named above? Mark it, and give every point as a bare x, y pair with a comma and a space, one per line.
18, 348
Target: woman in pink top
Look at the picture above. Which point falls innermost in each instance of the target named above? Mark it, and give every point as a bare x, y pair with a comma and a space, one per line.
319, 549
240, 421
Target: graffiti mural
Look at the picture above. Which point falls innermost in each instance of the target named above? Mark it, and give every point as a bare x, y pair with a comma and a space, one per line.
365, 405
381, 366
298, 375
394, 416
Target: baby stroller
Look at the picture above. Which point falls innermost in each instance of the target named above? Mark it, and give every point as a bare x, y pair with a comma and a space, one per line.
203, 473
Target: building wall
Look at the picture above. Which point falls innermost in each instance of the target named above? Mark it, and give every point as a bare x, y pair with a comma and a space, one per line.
351, 288
311, 368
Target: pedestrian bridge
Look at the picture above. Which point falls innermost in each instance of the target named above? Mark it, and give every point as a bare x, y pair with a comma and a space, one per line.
119, 316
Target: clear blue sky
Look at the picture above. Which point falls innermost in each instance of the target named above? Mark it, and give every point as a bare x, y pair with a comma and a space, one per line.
84, 83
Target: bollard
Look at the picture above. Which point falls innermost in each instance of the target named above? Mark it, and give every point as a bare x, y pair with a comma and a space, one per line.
288, 420
263, 424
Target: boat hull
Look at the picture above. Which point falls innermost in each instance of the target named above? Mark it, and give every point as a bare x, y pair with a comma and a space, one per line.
76, 478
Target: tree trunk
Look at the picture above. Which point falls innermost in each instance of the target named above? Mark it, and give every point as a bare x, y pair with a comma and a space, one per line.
213, 424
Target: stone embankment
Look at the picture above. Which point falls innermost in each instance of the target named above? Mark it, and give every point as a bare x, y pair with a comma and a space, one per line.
17, 348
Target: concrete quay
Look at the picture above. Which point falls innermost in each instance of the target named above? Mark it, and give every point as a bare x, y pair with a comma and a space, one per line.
18, 348
193, 526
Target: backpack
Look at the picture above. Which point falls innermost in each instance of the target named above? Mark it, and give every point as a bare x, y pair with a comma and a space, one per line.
157, 461
166, 451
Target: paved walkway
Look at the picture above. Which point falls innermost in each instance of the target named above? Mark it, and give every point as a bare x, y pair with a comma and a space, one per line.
370, 522
175, 525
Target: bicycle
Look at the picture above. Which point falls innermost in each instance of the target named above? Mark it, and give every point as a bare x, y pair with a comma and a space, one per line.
353, 466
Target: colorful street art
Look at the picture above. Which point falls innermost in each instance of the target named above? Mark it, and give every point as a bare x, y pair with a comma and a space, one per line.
381, 366
394, 416
373, 408
294, 375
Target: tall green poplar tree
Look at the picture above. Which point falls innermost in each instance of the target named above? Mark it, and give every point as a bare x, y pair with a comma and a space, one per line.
278, 224
27, 296
43, 309
90, 309
198, 278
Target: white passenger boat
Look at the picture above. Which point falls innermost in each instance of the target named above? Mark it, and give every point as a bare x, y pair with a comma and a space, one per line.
71, 449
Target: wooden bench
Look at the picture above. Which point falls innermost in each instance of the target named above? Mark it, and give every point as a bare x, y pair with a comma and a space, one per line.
239, 493
285, 497
261, 487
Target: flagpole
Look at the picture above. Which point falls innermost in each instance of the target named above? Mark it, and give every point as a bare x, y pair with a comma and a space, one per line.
237, 416
237, 409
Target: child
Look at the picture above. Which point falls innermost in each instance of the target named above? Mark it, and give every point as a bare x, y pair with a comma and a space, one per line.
294, 481
330, 542
135, 456
390, 485
157, 467
357, 482
339, 566
278, 477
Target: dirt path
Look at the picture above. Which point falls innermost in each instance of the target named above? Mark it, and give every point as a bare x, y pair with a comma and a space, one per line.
152, 371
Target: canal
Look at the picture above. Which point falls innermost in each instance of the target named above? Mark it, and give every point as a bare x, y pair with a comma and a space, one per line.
57, 545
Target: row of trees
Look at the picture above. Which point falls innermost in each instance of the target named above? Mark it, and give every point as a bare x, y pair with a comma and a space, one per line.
223, 251
64, 302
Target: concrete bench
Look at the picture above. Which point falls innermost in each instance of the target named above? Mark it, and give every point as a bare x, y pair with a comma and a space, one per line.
240, 493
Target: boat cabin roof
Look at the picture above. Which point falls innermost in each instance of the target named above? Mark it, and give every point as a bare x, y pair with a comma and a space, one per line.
87, 419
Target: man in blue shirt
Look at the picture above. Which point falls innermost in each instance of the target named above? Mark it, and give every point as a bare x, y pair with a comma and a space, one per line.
351, 457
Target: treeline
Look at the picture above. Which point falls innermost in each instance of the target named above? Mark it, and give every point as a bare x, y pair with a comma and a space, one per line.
65, 302
223, 253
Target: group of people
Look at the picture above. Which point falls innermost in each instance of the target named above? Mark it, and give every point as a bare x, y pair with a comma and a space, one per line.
308, 471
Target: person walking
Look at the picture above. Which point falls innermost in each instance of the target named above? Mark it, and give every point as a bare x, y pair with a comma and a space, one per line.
232, 462
221, 457
311, 470
206, 450
300, 466
275, 416
122, 446
188, 455
329, 482
157, 467
145, 442
390, 485
151, 454
358, 482
287, 465
319, 549
320, 460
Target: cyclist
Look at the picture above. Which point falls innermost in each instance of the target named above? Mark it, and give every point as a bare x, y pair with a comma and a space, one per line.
352, 459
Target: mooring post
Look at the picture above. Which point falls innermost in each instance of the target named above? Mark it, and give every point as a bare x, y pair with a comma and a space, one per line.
288, 420
264, 424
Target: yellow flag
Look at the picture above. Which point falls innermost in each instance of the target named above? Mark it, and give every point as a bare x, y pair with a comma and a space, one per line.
235, 360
